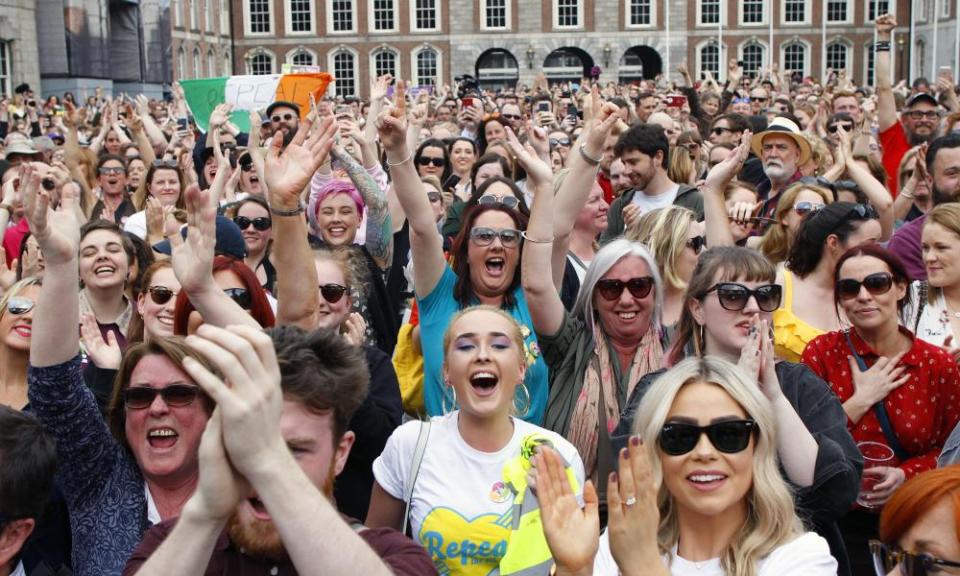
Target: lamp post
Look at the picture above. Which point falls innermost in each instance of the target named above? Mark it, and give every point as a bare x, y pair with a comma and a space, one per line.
607, 50
901, 44
531, 53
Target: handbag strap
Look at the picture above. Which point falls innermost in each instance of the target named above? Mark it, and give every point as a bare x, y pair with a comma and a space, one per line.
880, 410
922, 290
422, 436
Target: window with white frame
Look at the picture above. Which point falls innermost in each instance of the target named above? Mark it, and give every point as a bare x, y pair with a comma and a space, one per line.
182, 63
566, 13
876, 8
752, 56
641, 13
211, 63
340, 16
260, 63
921, 10
795, 11
870, 65
211, 17
838, 11
224, 18
227, 63
753, 11
945, 8
838, 54
4, 69
795, 58
344, 70
426, 15
302, 57
496, 14
710, 60
177, 7
258, 12
709, 12
427, 67
197, 66
194, 14
385, 62
299, 16
384, 15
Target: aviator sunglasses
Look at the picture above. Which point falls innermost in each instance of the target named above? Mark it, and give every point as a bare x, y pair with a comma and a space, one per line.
734, 297
161, 294
729, 437
20, 305
484, 236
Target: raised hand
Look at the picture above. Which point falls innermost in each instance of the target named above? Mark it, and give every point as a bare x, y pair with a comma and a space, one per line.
353, 329
192, 258
633, 514
572, 533
392, 122
220, 488
539, 172
885, 24
219, 116
104, 354
57, 231
724, 172
378, 90
288, 170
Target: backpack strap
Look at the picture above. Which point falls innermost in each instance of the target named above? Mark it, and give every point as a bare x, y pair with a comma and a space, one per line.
418, 453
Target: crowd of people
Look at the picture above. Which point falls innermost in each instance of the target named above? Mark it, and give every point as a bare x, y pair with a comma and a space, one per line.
568, 328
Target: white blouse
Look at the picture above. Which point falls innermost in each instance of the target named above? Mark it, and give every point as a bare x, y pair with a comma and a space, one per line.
934, 322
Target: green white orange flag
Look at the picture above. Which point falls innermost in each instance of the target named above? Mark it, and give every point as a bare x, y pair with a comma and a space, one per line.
251, 93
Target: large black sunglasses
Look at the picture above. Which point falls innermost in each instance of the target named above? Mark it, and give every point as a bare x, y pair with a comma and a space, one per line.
611, 288
260, 223
886, 558
426, 161
332, 293
729, 437
734, 297
483, 236
175, 395
241, 296
876, 284
490, 200
160, 294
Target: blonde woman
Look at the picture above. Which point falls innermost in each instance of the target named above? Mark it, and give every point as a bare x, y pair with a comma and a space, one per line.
703, 496
16, 319
675, 239
933, 306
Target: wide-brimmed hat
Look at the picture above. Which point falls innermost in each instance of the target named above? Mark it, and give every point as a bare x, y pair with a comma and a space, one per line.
785, 127
21, 148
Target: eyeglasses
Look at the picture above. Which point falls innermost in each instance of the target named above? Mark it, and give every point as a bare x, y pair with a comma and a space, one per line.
490, 200
886, 558
759, 98
165, 163
332, 293
833, 128
161, 294
426, 161
920, 114
108, 170
804, 208
285, 117
611, 289
876, 284
434, 197
174, 395
560, 142
697, 243
19, 305
241, 296
730, 437
740, 101
260, 223
485, 236
719, 130
734, 297
511, 117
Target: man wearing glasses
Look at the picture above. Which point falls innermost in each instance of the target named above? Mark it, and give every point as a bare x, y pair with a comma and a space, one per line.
284, 117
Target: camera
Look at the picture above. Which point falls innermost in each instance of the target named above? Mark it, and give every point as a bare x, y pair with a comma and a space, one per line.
48, 184
467, 85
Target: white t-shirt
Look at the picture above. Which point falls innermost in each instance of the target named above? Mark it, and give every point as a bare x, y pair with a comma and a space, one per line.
136, 224
461, 509
808, 555
648, 203
934, 325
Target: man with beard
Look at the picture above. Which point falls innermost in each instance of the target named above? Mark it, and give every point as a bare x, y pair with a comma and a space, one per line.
782, 150
644, 151
943, 167
284, 117
268, 459
919, 120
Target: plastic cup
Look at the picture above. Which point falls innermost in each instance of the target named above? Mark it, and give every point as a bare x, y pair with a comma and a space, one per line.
875, 454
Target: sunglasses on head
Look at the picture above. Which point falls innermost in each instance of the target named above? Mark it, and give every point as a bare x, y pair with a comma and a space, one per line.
697, 243
165, 164
285, 117
559, 141
611, 288
887, 558
804, 208
161, 294
434, 197
734, 297
241, 296
20, 305
833, 128
729, 437
332, 293
489, 200
485, 236
878, 283
174, 395
426, 161
261, 223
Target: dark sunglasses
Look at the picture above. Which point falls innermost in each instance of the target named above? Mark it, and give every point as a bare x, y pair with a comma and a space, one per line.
759, 98
734, 297
833, 128
720, 130
19, 305
165, 164
559, 141
804, 208
286, 117
107, 170
261, 223
160, 294
241, 296
886, 558
332, 293
484, 236
434, 197
878, 283
697, 243
511, 117
729, 437
611, 288
174, 395
426, 161
490, 200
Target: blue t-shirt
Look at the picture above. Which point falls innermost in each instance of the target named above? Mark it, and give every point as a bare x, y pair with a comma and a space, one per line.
436, 311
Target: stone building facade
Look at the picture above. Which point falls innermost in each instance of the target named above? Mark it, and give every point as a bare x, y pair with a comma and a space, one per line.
18, 45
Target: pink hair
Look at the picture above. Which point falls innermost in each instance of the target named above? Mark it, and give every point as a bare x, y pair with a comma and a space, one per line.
334, 187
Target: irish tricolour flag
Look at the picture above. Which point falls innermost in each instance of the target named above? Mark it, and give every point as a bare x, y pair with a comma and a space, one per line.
251, 93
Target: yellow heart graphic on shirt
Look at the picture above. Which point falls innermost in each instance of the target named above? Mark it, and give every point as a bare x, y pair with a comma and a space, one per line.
459, 546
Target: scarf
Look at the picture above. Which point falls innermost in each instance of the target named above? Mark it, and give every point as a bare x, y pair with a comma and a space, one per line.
600, 376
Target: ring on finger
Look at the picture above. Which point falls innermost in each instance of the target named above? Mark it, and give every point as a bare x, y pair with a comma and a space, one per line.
630, 501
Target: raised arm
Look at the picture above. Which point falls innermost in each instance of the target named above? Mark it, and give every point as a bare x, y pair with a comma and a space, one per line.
714, 208
426, 245
288, 171
379, 240
876, 192
886, 104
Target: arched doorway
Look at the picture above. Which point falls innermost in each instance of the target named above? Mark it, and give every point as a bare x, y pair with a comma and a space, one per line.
567, 64
640, 63
497, 68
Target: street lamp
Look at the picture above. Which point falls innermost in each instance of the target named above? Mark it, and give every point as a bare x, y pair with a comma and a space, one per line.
531, 53
606, 55
901, 42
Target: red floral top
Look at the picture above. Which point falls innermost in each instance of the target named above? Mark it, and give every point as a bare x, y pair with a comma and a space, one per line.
923, 411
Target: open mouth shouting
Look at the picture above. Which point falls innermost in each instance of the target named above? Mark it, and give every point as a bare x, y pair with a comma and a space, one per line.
484, 382
495, 265
162, 438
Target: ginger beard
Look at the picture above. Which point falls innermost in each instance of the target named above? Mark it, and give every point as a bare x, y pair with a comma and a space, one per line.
260, 538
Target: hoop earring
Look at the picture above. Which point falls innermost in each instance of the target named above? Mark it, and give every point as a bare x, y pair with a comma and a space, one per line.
522, 408
443, 400
701, 344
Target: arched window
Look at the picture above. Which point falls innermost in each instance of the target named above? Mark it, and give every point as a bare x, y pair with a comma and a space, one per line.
181, 63
344, 70
838, 55
197, 66
211, 63
795, 58
427, 67
385, 62
302, 57
710, 60
260, 63
752, 56
227, 63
